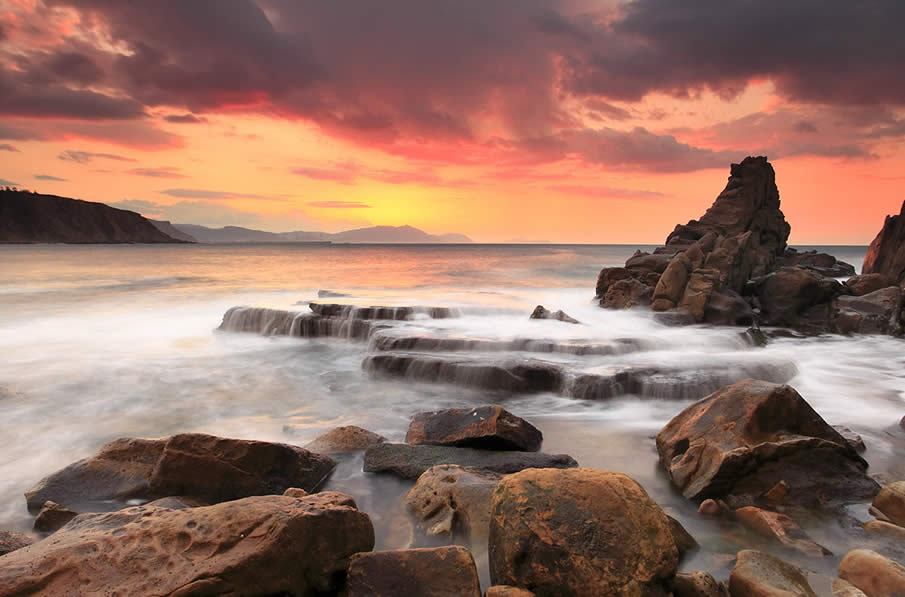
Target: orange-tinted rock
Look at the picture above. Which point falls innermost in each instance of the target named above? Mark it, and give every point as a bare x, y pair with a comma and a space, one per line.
672, 283
779, 528
295, 492
579, 532
778, 493
438, 572
342, 440
867, 283
487, 427
891, 502
887, 529
876, 575
710, 508
757, 574
697, 584
685, 543
507, 591
263, 545
53, 517
886, 254
843, 588
177, 502
740, 441
11, 541
454, 502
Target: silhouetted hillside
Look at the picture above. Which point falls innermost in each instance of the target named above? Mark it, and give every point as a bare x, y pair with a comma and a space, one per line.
375, 234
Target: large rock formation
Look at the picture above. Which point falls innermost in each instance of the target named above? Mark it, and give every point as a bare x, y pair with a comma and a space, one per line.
489, 427
886, 254
263, 545
35, 218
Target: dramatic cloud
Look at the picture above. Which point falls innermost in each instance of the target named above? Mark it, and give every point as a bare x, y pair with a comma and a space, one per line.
338, 204
184, 119
167, 172
8, 147
50, 178
84, 157
214, 195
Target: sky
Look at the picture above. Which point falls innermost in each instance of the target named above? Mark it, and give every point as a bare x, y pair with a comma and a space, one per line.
565, 120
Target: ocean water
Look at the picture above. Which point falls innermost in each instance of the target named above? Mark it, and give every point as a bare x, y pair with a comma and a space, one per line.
100, 342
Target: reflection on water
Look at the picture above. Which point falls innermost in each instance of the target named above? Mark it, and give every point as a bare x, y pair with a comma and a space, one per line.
104, 342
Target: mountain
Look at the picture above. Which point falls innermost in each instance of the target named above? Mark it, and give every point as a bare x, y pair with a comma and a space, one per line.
376, 234
173, 232
35, 218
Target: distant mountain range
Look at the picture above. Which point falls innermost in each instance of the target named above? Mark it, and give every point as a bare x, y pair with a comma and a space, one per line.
375, 234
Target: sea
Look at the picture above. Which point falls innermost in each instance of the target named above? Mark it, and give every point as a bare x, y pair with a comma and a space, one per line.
106, 341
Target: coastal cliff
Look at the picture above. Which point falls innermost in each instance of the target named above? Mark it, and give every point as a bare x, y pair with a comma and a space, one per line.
35, 218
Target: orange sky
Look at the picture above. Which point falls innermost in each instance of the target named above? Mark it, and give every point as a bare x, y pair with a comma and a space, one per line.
482, 149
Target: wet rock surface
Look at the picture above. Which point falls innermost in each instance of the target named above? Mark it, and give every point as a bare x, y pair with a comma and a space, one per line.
263, 545
206, 467
757, 574
374, 313
410, 462
273, 322
344, 440
779, 528
488, 427
579, 532
435, 572
739, 442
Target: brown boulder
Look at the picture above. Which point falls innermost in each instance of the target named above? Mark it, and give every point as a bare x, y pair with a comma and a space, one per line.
507, 591
886, 254
867, 283
757, 574
697, 584
263, 545
701, 284
742, 440
438, 572
627, 293
453, 501
210, 468
843, 588
579, 532
779, 528
891, 502
787, 293
727, 307
53, 517
177, 502
876, 575
877, 312
541, 312
886, 529
609, 276
822, 263
672, 283
11, 541
488, 427
345, 439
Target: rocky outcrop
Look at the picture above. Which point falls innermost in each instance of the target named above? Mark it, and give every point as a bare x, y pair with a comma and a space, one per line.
758, 574
488, 427
263, 545
344, 440
740, 442
34, 218
825, 265
410, 462
209, 468
877, 312
11, 541
453, 502
541, 312
784, 296
886, 254
874, 574
579, 532
438, 572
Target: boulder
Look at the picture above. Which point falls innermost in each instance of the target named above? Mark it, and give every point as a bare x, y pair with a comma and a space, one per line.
541, 312
825, 265
757, 574
876, 575
701, 285
877, 312
609, 276
627, 293
53, 517
727, 307
439, 572
685, 543
262, 545
886, 254
343, 440
779, 528
671, 285
454, 502
296, 492
657, 262
579, 532
886, 529
488, 427
507, 591
867, 283
410, 462
742, 440
205, 467
697, 584
891, 502
11, 541
787, 293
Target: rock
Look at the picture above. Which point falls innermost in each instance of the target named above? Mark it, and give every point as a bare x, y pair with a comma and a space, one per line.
11, 541
697, 584
296, 492
727, 307
853, 439
701, 284
262, 545
53, 517
410, 462
787, 293
273, 322
867, 283
454, 502
778, 493
627, 293
740, 441
878, 312
779, 528
825, 265
343, 440
648, 262
609, 276
579, 532
755, 337
177, 502
710, 508
886, 529
843, 588
540, 312
438, 572
757, 574
891, 502
876, 575
685, 543
671, 285
487, 427
205, 467
507, 591
886, 254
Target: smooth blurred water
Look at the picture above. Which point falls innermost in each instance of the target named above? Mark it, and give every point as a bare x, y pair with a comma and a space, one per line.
100, 342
